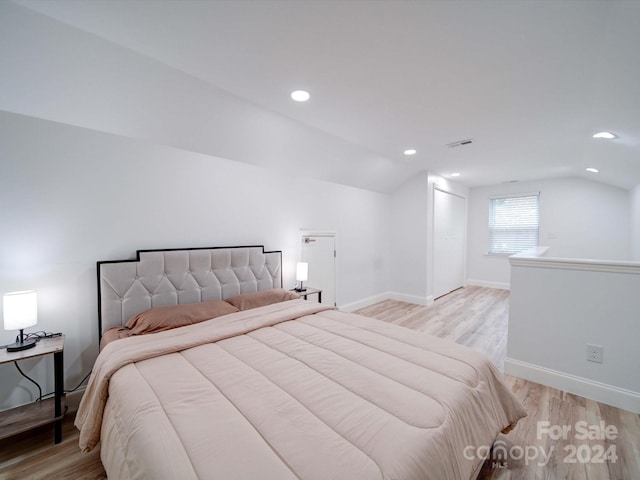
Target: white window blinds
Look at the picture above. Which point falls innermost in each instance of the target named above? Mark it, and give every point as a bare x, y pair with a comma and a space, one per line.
513, 223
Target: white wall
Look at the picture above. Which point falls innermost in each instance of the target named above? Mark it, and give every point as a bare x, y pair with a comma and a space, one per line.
557, 309
155, 177
73, 196
635, 223
578, 219
409, 205
412, 235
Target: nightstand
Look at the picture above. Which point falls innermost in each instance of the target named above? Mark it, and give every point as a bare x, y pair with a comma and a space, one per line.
32, 415
310, 291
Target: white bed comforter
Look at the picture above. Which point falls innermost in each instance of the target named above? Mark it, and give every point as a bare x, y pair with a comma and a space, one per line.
292, 390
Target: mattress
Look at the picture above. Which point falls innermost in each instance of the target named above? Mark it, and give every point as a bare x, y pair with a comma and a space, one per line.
292, 390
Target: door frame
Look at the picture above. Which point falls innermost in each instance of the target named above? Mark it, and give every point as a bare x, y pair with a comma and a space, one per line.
324, 233
464, 238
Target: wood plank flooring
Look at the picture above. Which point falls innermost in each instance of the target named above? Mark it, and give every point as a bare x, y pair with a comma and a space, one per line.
34, 456
473, 316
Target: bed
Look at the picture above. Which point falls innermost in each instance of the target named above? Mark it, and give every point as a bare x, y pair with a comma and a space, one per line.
274, 387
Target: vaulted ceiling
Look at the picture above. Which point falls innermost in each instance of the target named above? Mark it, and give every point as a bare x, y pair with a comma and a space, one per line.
529, 82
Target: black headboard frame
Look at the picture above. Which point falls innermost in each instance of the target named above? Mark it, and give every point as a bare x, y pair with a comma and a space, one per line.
185, 275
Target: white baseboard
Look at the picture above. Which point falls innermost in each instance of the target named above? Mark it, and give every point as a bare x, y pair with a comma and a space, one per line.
600, 392
365, 302
416, 299
401, 297
484, 283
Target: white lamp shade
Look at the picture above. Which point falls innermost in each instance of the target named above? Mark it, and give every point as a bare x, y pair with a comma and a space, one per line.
20, 310
302, 271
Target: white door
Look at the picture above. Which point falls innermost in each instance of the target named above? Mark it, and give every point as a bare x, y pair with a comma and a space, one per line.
319, 252
448, 242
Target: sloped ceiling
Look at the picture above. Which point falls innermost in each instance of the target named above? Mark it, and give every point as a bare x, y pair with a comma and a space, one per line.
528, 81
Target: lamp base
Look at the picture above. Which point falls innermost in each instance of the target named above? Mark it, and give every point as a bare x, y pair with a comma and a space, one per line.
18, 346
300, 289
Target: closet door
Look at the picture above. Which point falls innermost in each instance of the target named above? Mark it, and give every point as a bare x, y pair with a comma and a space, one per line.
448, 242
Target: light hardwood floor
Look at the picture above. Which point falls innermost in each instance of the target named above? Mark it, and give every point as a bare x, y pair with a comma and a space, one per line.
33, 456
473, 316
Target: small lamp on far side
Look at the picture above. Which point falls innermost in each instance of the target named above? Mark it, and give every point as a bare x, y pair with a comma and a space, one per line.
302, 273
20, 311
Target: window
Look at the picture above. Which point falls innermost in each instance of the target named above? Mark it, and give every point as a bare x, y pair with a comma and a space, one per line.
513, 223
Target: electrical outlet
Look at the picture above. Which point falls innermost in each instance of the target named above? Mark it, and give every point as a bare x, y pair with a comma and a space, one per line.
594, 353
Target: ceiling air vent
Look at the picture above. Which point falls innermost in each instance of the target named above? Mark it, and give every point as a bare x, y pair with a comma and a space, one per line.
459, 143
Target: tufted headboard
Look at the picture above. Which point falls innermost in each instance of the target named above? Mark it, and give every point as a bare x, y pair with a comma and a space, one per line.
191, 275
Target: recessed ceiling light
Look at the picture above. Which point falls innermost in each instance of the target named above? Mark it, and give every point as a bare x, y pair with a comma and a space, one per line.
410, 151
593, 170
300, 95
455, 174
606, 135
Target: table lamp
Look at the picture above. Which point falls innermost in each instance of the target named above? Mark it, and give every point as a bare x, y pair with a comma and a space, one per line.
302, 273
20, 312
